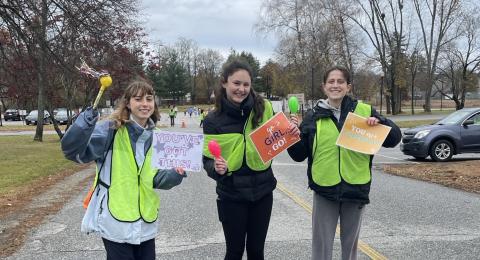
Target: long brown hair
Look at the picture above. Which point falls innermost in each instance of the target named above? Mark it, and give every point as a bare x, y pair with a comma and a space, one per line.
220, 92
121, 115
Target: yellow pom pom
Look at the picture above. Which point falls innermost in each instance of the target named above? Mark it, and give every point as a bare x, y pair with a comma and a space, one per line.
105, 81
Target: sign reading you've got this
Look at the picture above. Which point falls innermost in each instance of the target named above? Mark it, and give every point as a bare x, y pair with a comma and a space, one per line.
272, 137
177, 149
358, 136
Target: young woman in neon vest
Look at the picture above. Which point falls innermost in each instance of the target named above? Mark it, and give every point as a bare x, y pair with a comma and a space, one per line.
244, 183
124, 206
340, 178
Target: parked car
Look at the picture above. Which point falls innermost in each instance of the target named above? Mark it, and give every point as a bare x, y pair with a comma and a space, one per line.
457, 133
12, 114
33, 116
62, 116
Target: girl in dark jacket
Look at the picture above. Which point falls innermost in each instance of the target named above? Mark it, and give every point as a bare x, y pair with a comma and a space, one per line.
340, 178
244, 182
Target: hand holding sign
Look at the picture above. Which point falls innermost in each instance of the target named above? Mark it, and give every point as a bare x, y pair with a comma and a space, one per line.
363, 135
274, 136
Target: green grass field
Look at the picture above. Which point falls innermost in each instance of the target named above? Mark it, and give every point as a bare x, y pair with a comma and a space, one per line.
23, 160
409, 124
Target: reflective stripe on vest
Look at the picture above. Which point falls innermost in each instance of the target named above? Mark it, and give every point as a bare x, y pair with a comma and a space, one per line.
332, 163
233, 145
131, 195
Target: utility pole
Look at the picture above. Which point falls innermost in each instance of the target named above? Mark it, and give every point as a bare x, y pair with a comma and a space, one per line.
381, 92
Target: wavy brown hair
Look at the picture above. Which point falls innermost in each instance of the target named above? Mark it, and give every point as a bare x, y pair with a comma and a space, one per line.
121, 115
220, 92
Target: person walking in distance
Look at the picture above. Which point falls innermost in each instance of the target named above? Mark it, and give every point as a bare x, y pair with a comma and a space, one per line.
202, 117
172, 114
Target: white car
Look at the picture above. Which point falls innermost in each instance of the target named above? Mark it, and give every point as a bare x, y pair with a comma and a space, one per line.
33, 116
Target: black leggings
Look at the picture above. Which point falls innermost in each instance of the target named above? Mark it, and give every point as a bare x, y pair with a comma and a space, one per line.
125, 251
248, 220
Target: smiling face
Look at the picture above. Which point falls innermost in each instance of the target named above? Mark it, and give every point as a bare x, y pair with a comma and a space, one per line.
238, 86
336, 86
141, 108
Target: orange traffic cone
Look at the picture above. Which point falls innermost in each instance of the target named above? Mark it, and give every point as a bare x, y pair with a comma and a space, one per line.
184, 125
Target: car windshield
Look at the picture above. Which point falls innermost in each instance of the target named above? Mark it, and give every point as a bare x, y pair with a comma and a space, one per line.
453, 118
33, 113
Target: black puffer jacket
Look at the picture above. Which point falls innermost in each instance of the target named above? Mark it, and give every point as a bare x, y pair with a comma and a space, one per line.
244, 184
303, 149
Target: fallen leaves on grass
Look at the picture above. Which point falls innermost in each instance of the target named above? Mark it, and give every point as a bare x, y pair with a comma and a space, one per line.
14, 208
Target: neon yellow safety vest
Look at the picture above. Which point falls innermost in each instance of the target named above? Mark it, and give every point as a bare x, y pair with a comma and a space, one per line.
131, 195
234, 145
331, 163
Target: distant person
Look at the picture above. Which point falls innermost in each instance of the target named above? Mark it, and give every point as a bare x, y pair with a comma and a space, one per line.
340, 178
202, 116
123, 205
245, 187
172, 114
190, 111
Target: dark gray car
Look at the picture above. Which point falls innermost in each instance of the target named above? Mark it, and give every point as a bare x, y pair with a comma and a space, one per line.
457, 133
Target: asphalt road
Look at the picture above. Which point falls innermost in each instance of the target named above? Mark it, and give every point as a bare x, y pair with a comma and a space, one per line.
406, 219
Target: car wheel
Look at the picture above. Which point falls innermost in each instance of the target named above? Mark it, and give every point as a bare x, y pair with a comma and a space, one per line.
441, 151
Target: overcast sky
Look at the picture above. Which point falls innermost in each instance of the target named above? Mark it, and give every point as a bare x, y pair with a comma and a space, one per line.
215, 24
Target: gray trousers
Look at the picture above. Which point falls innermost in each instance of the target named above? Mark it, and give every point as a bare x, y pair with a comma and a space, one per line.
324, 222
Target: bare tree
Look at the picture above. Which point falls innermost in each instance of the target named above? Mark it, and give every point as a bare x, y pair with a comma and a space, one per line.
467, 53
415, 65
308, 38
437, 20
188, 56
383, 24
209, 66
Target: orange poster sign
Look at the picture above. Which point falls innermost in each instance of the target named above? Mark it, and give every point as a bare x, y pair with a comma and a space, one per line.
357, 136
272, 138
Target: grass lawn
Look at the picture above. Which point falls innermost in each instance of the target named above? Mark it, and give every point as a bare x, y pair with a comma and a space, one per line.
24, 161
414, 123
29, 127
445, 111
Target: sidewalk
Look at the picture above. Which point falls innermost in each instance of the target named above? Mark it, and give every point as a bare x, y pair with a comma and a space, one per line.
58, 236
